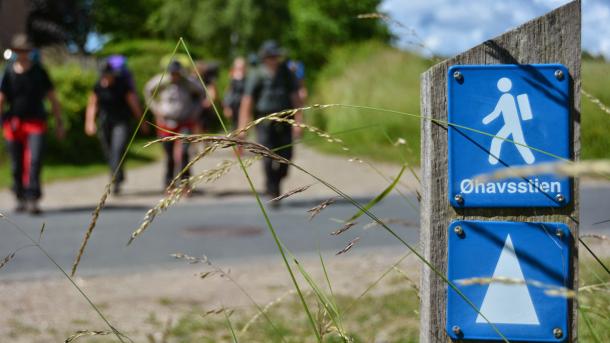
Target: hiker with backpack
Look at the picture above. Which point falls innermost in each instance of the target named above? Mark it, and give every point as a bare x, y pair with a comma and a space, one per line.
272, 88
112, 101
175, 107
25, 86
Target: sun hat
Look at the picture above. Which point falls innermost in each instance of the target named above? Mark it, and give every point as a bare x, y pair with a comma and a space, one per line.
175, 67
270, 48
20, 42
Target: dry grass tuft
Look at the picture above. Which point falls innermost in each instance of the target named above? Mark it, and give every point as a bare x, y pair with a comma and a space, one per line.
596, 101
7, 259
265, 309
184, 188
94, 218
191, 259
344, 228
212, 311
349, 246
390, 221
83, 333
314, 211
291, 193
322, 134
592, 168
549, 289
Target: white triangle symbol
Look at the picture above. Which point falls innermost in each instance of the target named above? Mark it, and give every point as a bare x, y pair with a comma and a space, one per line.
508, 303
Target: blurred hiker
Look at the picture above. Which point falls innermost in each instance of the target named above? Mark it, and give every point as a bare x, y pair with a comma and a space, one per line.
269, 89
235, 91
175, 107
298, 68
206, 116
24, 87
119, 64
114, 99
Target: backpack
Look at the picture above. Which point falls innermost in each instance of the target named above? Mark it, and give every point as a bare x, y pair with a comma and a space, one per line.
177, 102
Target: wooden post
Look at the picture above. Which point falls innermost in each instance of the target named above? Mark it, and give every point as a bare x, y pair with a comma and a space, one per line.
552, 38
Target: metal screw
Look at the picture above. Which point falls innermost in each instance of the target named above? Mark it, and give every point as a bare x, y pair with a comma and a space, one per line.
458, 230
459, 199
557, 332
559, 233
560, 198
559, 74
458, 331
458, 76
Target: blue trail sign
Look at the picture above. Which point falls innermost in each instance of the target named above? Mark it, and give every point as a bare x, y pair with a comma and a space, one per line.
515, 274
503, 116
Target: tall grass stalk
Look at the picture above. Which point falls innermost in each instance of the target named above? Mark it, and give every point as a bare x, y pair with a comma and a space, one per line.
230, 326
258, 200
104, 197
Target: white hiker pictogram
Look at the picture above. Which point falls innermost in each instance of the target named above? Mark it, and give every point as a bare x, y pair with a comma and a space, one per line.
507, 106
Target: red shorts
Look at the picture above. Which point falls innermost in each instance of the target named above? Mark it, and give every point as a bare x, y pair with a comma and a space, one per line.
182, 128
15, 129
18, 131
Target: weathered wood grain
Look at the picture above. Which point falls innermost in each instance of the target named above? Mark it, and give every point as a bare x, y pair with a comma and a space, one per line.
552, 38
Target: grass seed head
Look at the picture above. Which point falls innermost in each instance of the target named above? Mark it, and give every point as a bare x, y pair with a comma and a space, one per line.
82, 333
349, 246
314, 211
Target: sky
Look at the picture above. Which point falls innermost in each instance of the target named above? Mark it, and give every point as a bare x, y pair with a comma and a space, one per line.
448, 27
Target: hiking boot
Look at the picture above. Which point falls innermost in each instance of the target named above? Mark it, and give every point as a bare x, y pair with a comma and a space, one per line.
116, 188
21, 206
33, 208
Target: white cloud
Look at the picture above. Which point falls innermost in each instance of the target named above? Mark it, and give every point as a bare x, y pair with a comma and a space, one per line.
448, 27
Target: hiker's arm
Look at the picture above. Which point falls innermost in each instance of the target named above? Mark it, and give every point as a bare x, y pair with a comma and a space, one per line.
493, 115
90, 114
136, 109
56, 109
210, 95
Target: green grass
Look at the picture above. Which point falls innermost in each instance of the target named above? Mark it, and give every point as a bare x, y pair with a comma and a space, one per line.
388, 317
391, 316
595, 123
138, 156
376, 75
594, 306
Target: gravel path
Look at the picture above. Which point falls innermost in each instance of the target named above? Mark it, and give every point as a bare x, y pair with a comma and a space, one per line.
144, 184
49, 310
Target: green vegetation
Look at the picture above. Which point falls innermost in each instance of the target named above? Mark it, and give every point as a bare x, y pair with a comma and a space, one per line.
594, 302
595, 123
391, 316
243, 24
376, 75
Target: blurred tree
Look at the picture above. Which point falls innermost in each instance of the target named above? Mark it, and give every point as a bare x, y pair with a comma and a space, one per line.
125, 19
318, 25
59, 22
225, 28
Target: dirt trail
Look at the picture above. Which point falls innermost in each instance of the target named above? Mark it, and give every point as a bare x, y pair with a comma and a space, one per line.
144, 184
49, 310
